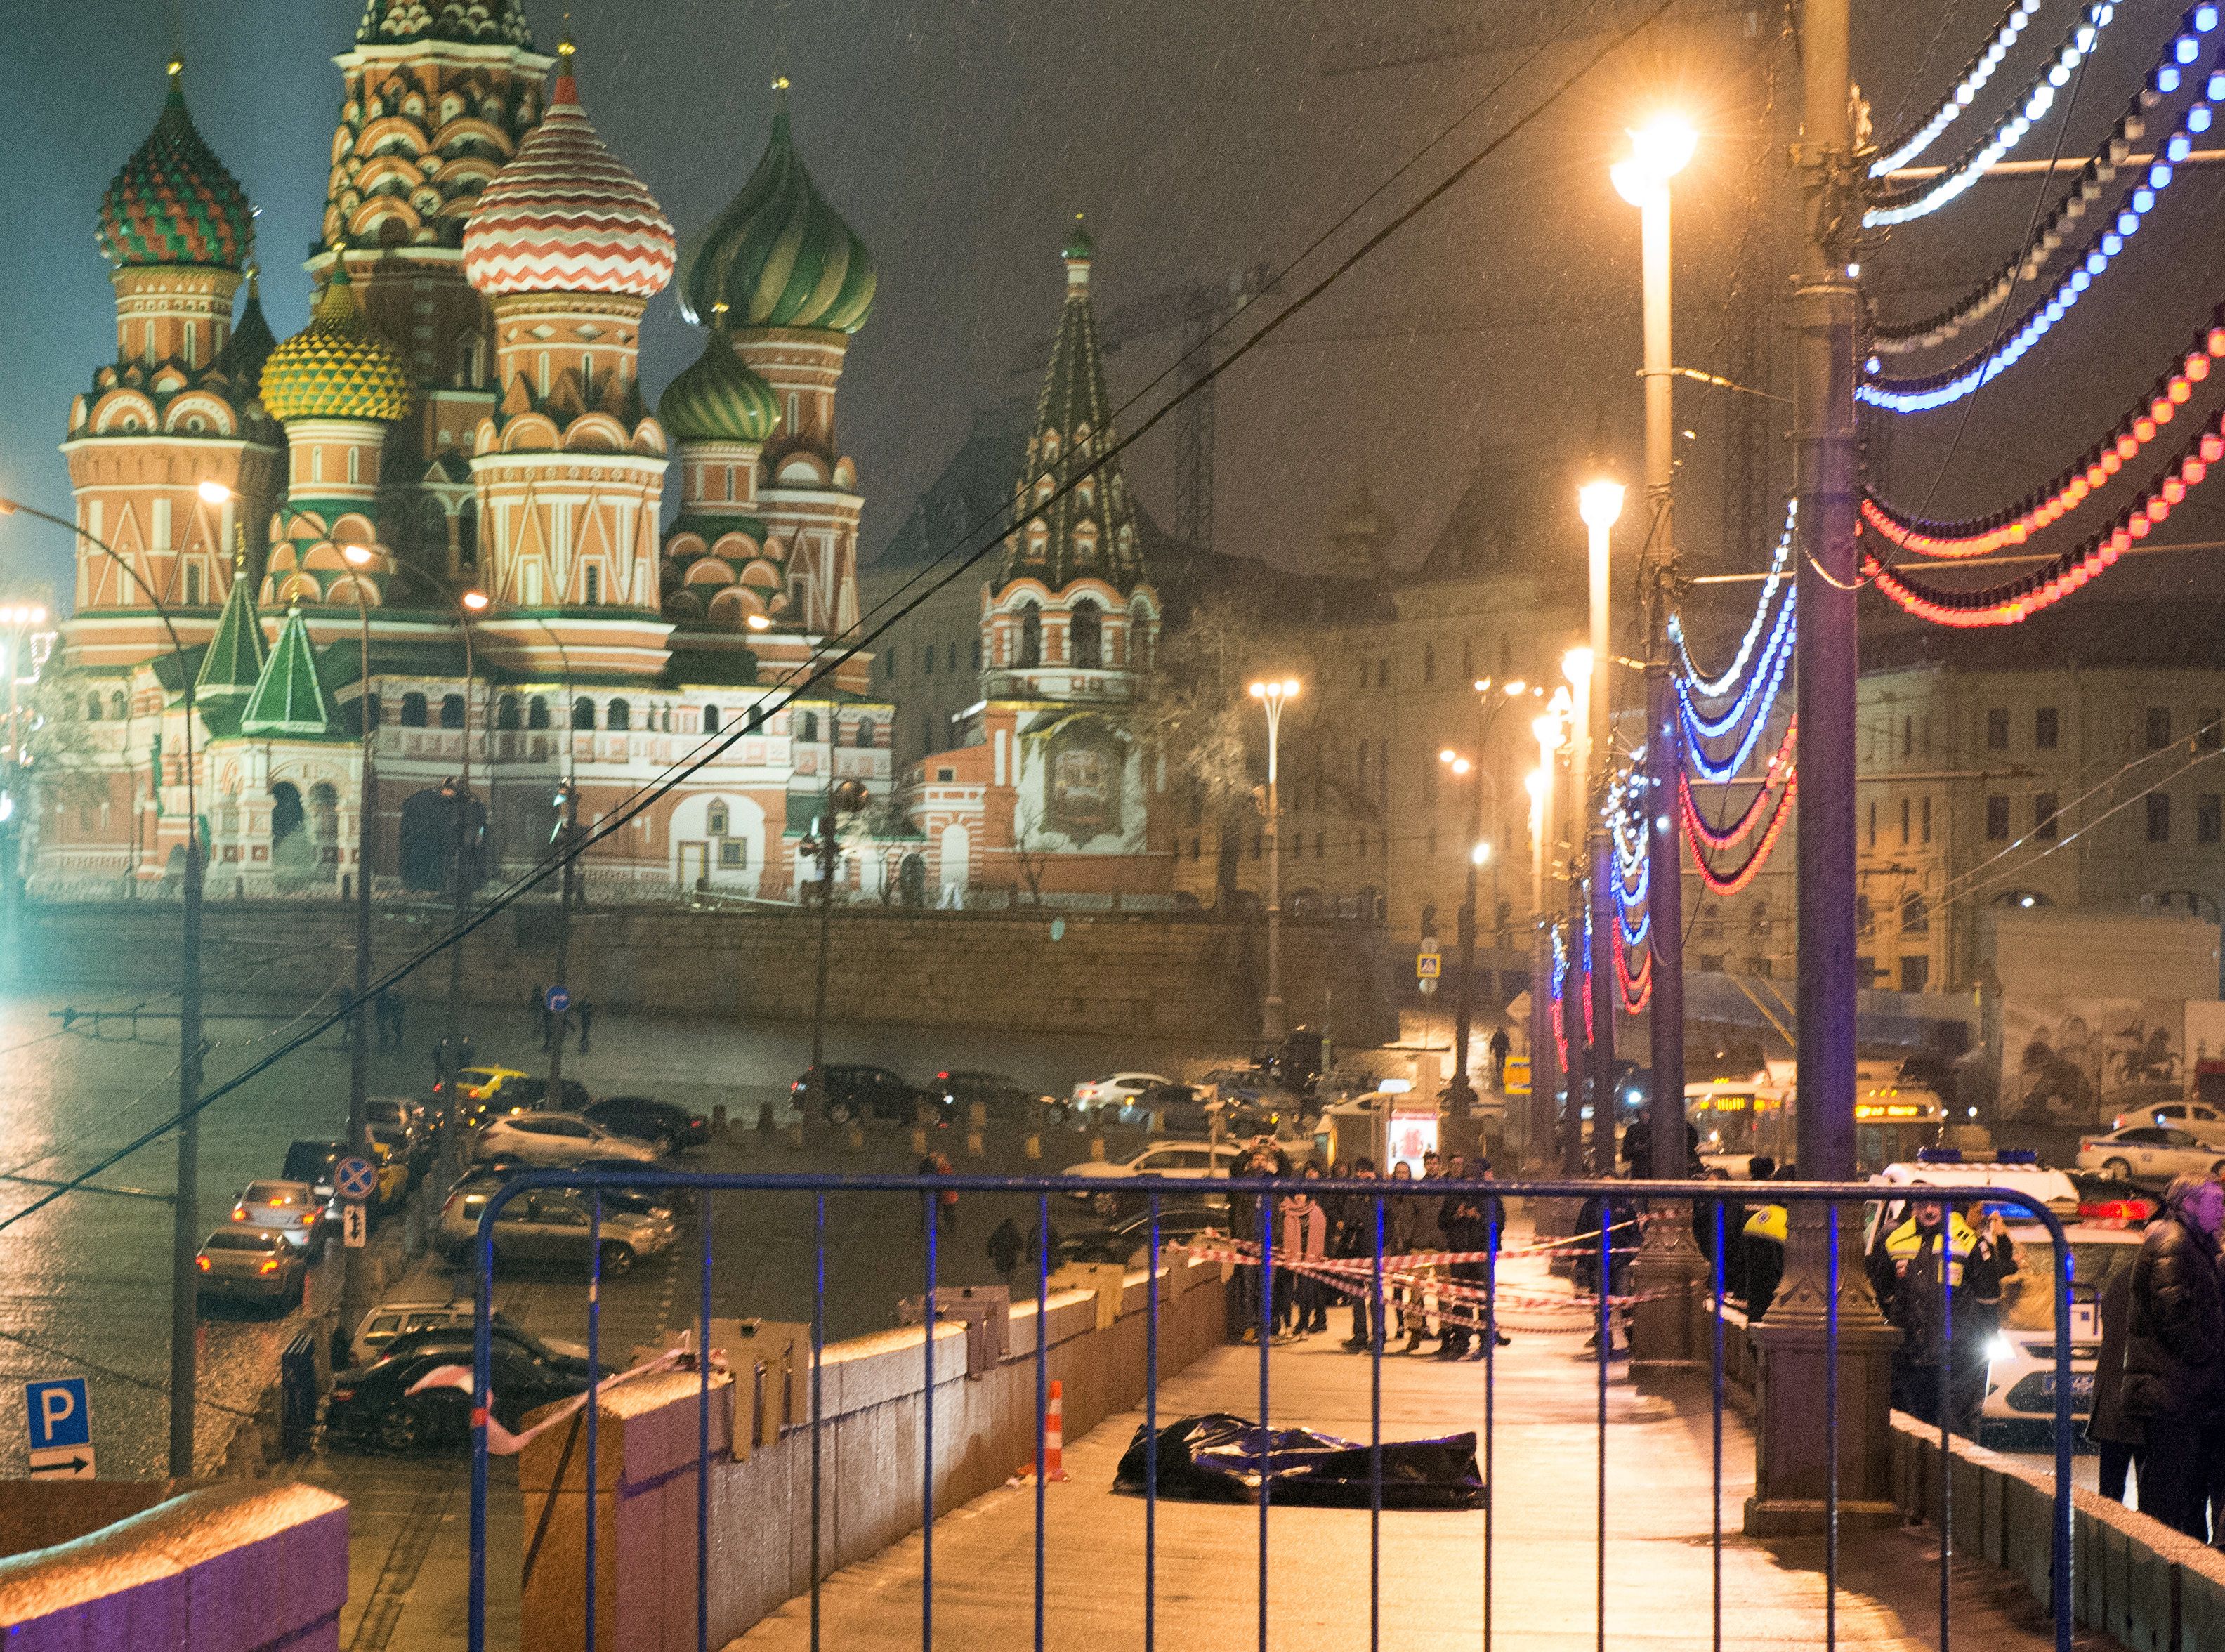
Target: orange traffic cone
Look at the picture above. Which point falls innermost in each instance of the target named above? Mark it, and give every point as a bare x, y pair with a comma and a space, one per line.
1054, 1463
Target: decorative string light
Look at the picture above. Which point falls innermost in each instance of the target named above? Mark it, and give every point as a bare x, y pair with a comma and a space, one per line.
1730, 883
1730, 836
2019, 600
2070, 487
1903, 149
1695, 754
1702, 725
1637, 989
2039, 246
1900, 207
1919, 394
1716, 688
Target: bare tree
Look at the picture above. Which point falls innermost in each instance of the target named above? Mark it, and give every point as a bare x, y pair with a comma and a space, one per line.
1029, 849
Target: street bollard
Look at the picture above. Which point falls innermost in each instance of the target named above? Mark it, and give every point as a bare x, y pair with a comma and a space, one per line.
856, 1135
919, 1140
796, 1133
975, 1146
718, 1122
1032, 1147
764, 1118
1096, 1148
977, 1116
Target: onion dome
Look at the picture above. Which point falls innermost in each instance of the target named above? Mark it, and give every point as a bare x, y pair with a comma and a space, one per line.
174, 202
1078, 244
251, 341
779, 256
565, 215
469, 23
335, 367
719, 398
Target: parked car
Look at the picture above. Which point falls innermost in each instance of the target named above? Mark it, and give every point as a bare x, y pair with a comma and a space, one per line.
312, 1161
1000, 1094
2148, 1153
553, 1225
243, 1264
643, 1118
476, 1089
526, 1094
391, 1328
494, 1172
2197, 1119
1096, 1095
557, 1139
290, 1208
373, 1406
1126, 1240
402, 1122
857, 1091
1182, 1160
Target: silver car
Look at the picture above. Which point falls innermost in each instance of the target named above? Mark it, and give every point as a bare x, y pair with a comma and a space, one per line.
553, 1225
290, 1208
557, 1139
244, 1264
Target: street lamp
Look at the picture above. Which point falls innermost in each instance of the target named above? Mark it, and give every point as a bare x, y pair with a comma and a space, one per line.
1272, 696
1460, 1094
184, 1204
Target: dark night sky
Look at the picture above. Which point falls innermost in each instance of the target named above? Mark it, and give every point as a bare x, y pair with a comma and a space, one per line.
958, 135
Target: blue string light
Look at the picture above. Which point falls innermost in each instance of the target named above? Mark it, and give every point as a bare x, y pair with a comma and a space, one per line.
1720, 773
1972, 83
1713, 728
1716, 688
1918, 395
1939, 192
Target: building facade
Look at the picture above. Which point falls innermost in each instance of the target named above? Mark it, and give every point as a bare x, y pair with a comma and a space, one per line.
437, 508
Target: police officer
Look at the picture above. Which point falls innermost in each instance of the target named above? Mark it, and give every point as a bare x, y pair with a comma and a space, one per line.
1931, 1266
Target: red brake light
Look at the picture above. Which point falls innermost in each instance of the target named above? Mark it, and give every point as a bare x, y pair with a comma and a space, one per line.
2122, 1213
270, 1266
201, 1262
239, 1213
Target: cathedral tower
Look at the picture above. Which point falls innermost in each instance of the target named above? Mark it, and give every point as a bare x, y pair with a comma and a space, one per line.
569, 247
718, 414
169, 452
795, 283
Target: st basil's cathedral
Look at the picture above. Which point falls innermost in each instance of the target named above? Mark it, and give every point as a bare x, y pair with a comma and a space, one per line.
440, 507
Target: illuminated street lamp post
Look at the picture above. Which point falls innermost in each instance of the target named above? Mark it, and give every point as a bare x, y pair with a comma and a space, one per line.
17, 620
1460, 1094
1659, 150
1575, 700
1273, 696
1545, 1059
1599, 501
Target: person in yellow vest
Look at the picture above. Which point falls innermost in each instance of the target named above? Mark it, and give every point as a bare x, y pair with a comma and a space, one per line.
1763, 1244
1939, 1280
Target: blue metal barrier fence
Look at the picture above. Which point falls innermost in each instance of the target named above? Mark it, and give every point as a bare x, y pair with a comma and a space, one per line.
1680, 1195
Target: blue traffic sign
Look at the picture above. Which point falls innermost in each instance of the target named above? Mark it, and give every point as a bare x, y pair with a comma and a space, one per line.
559, 999
354, 1178
59, 1413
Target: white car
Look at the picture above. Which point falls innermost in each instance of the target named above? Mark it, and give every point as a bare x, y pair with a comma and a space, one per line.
1092, 1095
558, 1138
2147, 1152
1177, 1160
2021, 1371
2202, 1122
290, 1208
383, 1324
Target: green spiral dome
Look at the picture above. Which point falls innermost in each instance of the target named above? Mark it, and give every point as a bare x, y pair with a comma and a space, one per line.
719, 398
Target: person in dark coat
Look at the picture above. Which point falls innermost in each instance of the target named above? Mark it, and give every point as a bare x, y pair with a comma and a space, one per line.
1410, 1227
2117, 1437
1932, 1272
1355, 1236
1470, 1222
584, 1012
1005, 1244
2175, 1357
1251, 1218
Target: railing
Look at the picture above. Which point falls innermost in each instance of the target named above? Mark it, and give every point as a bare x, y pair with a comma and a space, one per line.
1372, 1282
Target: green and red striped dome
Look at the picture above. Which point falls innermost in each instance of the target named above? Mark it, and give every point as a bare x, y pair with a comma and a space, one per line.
173, 203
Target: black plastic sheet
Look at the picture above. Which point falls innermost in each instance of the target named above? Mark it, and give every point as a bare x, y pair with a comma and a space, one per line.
1216, 1458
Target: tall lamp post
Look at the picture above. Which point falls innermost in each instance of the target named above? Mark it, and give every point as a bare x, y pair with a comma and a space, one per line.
1544, 1058
1599, 501
184, 1204
1659, 150
1272, 697
16, 623
1576, 667
1461, 1093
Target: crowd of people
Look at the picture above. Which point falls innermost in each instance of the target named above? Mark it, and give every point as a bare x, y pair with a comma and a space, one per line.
1304, 1230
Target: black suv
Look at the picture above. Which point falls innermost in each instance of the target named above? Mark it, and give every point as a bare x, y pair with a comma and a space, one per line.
1000, 1094
643, 1118
862, 1092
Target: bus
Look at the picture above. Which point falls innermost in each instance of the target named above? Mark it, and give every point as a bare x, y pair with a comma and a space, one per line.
1737, 1119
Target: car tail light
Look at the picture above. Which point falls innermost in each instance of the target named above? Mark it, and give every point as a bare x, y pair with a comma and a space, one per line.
239, 1213
201, 1262
343, 1394
270, 1266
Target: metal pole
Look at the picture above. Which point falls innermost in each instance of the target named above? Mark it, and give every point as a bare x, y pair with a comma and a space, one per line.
1544, 1058
451, 1057
560, 1021
815, 1097
1572, 1020
1272, 1024
1665, 750
1605, 992
185, 1232
1824, 310
355, 1275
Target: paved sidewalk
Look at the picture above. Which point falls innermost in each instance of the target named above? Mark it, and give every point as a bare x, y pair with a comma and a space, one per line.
1543, 1577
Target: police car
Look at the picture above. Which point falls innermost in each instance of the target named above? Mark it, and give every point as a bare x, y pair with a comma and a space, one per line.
2105, 1235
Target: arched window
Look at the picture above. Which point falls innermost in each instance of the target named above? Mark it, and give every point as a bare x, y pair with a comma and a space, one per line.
413, 711
754, 721
536, 712
118, 707
710, 719
1030, 637
1915, 914
93, 707
1087, 628
810, 731
621, 716
505, 712
717, 826
452, 711
467, 534
865, 733
594, 582
583, 713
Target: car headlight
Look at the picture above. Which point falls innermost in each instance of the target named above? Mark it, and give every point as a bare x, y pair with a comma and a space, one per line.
2001, 1348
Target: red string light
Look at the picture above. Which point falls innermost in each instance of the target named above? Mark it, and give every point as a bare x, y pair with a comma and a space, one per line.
1732, 883
2019, 600
1635, 990
1696, 824
2072, 486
